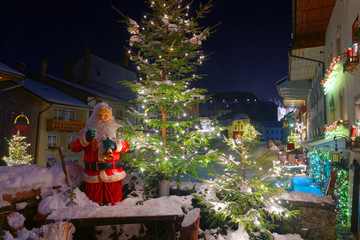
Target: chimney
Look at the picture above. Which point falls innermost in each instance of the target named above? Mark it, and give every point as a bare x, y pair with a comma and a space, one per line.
21, 67
67, 70
44, 64
125, 60
86, 65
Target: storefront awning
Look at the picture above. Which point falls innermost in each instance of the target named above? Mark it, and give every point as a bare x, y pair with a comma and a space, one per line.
322, 143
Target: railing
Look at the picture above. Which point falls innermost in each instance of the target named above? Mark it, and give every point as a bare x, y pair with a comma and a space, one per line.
64, 126
352, 58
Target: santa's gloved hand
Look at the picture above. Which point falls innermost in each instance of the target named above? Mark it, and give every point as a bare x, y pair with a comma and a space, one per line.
89, 135
109, 144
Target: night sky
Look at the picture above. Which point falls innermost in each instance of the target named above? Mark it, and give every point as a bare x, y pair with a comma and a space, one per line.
250, 46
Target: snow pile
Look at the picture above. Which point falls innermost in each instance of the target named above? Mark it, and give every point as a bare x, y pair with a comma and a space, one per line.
27, 177
58, 199
15, 220
305, 197
20, 205
191, 217
58, 231
172, 205
212, 234
287, 237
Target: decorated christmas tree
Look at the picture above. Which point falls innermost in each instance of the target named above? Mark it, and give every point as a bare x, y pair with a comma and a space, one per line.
17, 151
246, 192
165, 46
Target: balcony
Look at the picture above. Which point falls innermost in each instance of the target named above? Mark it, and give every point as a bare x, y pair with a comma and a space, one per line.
352, 58
64, 126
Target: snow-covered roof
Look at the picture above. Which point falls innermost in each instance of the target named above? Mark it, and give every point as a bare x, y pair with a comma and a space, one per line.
52, 95
86, 89
9, 71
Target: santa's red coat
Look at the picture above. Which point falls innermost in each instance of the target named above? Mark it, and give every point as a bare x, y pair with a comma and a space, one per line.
99, 191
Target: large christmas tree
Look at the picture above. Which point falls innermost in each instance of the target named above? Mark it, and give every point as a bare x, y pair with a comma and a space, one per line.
165, 47
17, 151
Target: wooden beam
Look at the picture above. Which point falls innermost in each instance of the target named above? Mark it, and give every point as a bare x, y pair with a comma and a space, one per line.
87, 222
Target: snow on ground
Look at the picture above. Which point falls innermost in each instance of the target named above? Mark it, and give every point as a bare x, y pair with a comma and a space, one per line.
59, 204
286, 236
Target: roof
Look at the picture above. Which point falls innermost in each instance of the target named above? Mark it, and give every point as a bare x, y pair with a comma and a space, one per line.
233, 116
321, 142
7, 73
52, 95
86, 89
294, 89
271, 124
310, 22
234, 97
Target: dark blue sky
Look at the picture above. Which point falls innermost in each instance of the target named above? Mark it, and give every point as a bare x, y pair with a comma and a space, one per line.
250, 46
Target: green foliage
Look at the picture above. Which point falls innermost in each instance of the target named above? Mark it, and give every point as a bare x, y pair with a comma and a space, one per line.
165, 47
246, 194
342, 196
17, 151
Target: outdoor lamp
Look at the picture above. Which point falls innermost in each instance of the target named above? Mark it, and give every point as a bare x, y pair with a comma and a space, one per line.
335, 157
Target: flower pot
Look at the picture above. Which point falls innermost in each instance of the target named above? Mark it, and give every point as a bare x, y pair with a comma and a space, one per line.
164, 188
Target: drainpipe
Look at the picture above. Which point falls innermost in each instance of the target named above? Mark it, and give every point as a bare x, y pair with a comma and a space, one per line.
323, 72
12, 87
37, 132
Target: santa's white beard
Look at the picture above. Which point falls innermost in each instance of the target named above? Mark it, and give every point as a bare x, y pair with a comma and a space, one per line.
104, 130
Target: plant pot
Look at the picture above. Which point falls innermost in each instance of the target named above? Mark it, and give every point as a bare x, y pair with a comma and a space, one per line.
164, 188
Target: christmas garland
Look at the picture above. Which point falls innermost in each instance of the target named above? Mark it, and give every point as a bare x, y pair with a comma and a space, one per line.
330, 76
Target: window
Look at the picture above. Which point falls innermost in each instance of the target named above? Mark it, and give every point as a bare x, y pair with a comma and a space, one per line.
355, 27
338, 40
272, 132
69, 138
68, 115
341, 104
277, 132
52, 141
63, 114
241, 127
57, 113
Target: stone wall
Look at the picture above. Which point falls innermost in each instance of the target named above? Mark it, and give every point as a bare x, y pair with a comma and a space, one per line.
317, 220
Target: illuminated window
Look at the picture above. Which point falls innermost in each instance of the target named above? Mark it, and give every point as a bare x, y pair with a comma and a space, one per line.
355, 27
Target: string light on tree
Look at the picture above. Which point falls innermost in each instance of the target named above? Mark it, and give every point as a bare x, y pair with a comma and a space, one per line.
18, 151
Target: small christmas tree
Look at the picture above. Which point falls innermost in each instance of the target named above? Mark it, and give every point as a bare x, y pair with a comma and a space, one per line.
246, 193
165, 48
17, 151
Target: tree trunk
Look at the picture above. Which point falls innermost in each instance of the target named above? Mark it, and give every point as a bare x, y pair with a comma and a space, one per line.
190, 225
163, 129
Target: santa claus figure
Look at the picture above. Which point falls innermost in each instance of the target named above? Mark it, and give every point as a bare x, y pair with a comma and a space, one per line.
103, 172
